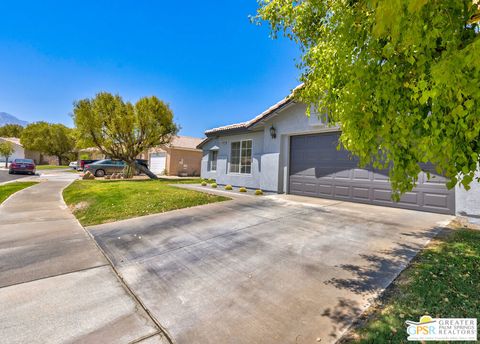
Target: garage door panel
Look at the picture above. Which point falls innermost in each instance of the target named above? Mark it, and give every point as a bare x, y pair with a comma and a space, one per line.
378, 177
382, 195
410, 198
325, 190
343, 174
342, 191
318, 169
435, 200
361, 174
158, 162
435, 180
361, 193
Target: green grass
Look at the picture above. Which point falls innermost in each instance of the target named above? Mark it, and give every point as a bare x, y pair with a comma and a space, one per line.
443, 281
8, 189
100, 201
50, 167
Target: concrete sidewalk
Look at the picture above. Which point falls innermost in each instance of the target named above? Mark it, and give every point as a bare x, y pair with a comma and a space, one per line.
55, 284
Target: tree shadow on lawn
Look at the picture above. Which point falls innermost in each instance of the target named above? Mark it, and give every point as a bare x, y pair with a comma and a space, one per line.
372, 277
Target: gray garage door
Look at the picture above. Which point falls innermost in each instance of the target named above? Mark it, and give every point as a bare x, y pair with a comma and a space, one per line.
318, 169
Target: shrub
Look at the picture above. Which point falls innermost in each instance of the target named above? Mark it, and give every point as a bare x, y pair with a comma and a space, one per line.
228, 187
211, 180
258, 192
204, 183
242, 189
213, 185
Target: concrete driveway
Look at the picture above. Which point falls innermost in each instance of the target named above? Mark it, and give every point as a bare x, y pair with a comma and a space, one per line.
276, 269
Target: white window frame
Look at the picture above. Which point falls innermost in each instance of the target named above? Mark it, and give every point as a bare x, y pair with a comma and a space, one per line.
242, 143
211, 160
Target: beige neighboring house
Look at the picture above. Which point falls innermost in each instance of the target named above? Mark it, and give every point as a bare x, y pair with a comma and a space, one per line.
19, 151
179, 158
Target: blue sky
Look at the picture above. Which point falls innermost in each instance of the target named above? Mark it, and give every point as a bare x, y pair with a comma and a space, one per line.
204, 58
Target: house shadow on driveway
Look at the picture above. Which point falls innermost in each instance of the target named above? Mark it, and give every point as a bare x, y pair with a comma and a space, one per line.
264, 270
373, 276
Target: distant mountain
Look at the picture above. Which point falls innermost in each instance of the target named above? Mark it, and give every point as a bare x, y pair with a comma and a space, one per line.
6, 118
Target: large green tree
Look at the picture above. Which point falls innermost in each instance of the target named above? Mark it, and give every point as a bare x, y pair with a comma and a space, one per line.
50, 139
401, 78
11, 130
123, 130
6, 150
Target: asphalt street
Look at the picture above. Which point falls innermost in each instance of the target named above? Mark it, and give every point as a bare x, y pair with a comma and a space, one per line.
5, 177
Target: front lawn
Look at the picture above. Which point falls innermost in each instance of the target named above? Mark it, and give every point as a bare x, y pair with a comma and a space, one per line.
50, 167
8, 189
99, 201
443, 282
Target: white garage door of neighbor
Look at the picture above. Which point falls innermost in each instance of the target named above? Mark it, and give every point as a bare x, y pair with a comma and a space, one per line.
158, 162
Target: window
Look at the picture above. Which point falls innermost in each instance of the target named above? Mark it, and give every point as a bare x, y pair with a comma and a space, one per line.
213, 160
241, 157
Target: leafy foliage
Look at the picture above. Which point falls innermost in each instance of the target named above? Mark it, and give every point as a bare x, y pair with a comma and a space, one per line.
123, 130
6, 150
399, 76
50, 139
11, 130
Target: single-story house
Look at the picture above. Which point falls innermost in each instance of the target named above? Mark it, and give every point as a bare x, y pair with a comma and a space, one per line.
181, 157
20, 152
284, 151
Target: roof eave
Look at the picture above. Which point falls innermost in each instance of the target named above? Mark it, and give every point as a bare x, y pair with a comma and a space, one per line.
272, 113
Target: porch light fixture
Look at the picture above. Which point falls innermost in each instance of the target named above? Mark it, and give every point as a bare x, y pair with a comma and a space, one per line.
273, 132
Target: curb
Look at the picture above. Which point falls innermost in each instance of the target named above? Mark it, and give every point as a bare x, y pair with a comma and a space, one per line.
162, 329
13, 194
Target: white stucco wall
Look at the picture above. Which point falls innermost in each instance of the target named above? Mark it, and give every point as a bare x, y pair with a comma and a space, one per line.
467, 203
19, 152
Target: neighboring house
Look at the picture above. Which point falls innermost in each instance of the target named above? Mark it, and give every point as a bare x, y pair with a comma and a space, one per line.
19, 151
181, 157
90, 153
284, 151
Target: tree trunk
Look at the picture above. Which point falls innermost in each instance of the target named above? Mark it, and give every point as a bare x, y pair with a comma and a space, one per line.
129, 170
59, 160
145, 170
6, 161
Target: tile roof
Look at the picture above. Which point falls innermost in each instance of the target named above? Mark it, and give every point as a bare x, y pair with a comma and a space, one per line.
14, 140
185, 142
260, 117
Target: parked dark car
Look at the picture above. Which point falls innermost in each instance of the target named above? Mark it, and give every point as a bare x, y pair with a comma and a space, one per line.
143, 162
81, 164
108, 166
22, 166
